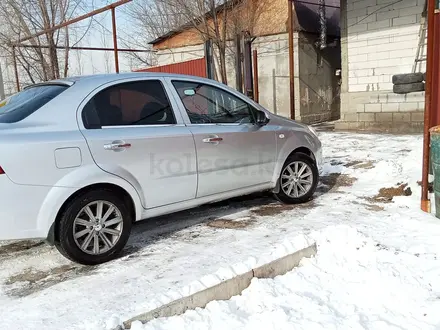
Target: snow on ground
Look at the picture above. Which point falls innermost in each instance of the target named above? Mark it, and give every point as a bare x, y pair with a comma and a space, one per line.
351, 284
41, 290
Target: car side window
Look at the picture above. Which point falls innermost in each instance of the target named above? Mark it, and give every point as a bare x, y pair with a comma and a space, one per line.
127, 104
208, 104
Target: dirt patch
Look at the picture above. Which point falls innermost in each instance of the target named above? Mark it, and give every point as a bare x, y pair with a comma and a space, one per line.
353, 163
32, 280
335, 162
358, 164
370, 207
19, 246
338, 180
262, 211
386, 195
334, 181
274, 209
230, 224
374, 207
29, 275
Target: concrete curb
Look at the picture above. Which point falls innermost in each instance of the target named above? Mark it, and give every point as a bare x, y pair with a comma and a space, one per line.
226, 289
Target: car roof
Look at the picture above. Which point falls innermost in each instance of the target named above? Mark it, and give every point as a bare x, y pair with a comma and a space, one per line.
110, 77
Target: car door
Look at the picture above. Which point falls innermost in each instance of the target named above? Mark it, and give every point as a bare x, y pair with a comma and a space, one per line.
133, 131
232, 152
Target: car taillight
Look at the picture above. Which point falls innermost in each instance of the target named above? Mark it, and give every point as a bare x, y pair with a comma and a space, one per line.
1, 171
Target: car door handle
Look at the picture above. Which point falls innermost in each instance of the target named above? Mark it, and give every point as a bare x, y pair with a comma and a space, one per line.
215, 140
117, 146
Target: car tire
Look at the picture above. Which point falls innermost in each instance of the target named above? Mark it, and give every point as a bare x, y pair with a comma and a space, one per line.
107, 233
409, 88
309, 173
407, 78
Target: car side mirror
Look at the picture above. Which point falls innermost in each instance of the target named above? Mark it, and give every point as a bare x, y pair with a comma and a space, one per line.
261, 118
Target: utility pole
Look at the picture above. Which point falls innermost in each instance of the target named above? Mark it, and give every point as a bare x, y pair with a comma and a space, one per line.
2, 85
209, 59
430, 48
247, 65
291, 59
238, 64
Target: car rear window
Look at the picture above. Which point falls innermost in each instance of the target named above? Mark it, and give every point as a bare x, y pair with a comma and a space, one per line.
21, 105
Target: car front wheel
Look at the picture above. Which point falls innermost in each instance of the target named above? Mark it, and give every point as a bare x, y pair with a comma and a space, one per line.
298, 179
94, 227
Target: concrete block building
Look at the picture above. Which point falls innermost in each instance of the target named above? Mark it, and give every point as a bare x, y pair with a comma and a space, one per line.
379, 38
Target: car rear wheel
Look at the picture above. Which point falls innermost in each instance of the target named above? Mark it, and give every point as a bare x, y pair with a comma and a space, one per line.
298, 179
94, 227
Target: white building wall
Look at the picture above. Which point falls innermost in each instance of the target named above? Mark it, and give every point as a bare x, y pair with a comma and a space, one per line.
181, 54
379, 39
382, 41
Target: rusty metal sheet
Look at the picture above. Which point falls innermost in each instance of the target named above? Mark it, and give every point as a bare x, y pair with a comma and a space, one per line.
195, 67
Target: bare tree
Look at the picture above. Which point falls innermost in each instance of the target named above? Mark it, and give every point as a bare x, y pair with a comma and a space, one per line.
79, 61
217, 20
152, 19
2, 84
106, 55
245, 16
43, 60
209, 18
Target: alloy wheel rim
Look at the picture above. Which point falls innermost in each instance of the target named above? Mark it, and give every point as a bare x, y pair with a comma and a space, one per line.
297, 179
98, 227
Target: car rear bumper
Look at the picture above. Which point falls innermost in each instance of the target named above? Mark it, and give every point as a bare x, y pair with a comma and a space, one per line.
23, 212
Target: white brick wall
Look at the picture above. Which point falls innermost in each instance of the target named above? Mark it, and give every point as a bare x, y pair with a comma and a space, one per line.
382, 41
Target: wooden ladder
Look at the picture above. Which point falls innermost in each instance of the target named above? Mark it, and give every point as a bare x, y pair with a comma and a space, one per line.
422, 40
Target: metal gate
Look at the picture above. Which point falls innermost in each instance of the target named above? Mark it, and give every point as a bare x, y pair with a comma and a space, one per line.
193, 68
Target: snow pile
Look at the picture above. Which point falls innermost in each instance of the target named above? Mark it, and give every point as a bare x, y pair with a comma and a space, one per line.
353, 283
165, 256
288, 246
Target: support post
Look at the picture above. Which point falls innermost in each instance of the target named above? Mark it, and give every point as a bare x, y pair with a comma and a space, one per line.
14, 60
2, 85
209, 59
115, 40
322, 25
256, 87
425, 203
291, 59
247, 64
238, 69
434, 119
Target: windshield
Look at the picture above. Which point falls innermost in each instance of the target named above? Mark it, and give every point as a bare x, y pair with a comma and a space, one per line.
19, 106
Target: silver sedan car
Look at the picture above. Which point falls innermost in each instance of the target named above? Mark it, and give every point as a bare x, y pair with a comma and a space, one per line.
83, 158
